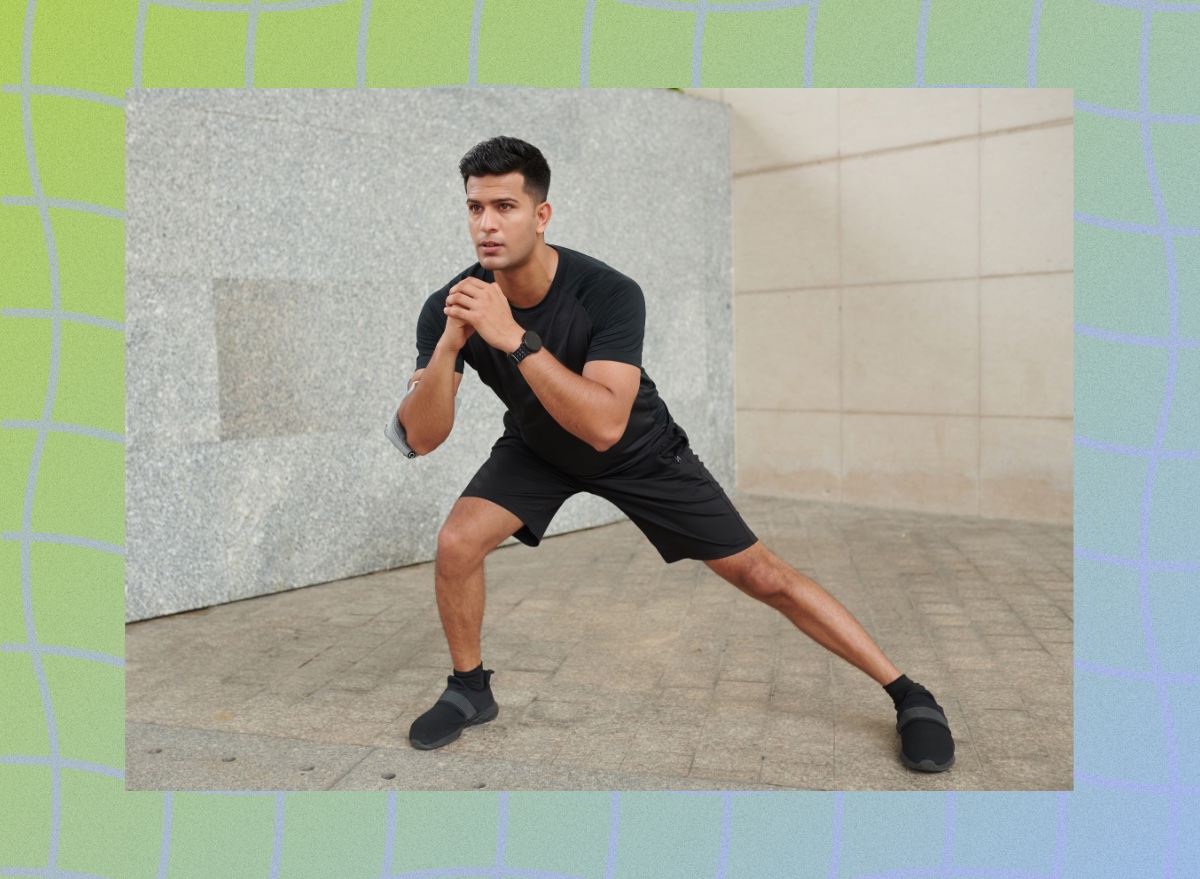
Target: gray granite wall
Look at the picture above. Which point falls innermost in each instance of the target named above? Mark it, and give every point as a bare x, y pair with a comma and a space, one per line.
279, 247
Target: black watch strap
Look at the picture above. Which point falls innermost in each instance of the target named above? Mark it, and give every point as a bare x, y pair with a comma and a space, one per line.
529, 344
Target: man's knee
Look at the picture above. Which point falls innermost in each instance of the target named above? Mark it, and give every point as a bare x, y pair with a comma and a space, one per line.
764, 578
752, 571
457, 548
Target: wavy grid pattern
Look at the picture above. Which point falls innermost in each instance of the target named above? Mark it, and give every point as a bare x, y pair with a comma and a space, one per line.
601, 43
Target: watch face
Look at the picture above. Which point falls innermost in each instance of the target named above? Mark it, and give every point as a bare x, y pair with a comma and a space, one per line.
533, 341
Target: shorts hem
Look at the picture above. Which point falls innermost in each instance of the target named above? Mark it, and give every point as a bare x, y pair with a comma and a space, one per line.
524, 534
709, 556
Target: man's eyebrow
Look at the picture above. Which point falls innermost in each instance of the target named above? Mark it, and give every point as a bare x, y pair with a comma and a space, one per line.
494, 200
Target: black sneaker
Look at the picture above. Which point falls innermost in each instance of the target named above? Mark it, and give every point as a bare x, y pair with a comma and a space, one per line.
457, 708
926, 743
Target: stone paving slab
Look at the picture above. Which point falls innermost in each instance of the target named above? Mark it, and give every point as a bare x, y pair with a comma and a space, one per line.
614, 670
427, 771
173, 758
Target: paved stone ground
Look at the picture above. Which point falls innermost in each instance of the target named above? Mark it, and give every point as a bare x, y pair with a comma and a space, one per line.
617, 671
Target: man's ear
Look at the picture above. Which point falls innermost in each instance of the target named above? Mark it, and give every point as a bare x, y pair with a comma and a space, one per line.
543, 214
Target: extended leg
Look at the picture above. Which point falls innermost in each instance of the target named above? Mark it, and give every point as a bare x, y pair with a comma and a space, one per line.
926, 742
763, 575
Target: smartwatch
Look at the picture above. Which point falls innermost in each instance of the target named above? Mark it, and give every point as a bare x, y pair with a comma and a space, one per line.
531, 343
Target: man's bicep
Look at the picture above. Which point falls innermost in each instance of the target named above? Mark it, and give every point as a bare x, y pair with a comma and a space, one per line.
623, 379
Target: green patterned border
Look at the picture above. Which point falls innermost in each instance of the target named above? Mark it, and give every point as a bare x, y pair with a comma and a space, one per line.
64, 68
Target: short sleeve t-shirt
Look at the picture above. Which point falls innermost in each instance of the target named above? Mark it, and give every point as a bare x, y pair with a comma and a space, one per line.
590, 312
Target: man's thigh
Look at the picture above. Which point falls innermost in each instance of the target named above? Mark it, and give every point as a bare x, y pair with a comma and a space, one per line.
678, 504
479, 523
519, 482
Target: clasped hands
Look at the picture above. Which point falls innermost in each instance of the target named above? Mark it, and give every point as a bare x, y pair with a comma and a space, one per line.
485, 308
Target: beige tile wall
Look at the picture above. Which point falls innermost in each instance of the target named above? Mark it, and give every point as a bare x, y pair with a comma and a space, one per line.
903, 294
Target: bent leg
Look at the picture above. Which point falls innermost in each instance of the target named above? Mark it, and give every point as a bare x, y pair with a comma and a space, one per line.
763, 575
474, 528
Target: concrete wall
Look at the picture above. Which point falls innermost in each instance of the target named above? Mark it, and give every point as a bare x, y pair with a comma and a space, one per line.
279, 247
903, 278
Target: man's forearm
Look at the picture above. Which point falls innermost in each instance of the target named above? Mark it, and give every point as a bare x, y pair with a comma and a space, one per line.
584, 408
428, 412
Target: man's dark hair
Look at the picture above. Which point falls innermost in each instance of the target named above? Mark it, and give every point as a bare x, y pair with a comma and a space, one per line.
503, 155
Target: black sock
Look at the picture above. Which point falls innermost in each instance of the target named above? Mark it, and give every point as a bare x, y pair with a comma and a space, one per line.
906, 693
897, 688
475, 679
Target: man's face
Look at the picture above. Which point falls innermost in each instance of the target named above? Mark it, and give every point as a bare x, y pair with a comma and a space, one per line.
503, 219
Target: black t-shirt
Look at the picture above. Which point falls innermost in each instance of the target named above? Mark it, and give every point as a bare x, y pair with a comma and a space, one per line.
591, 312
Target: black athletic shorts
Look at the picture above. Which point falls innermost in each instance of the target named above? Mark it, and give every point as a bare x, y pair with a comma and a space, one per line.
667, 492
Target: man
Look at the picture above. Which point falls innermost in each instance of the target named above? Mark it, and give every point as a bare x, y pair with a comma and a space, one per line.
558, 336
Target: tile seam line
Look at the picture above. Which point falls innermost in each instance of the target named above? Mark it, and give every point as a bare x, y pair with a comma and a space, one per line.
903, 148
726, 832
690, 6
1136, 228
614, 834
71, 316
277, 843
389, 839
65, 651
1132, 674
64, 763
168, 828
1135, 564
948, 836
506, 872
954, 279
65, 427
251, 44
41, 201
1149, 6
922, 30
501, 834
63, 92
473, 54
1137, 115
1128, 339
139, 43
28, 537
48, 873
1060, 833
835, 848
961, 872
585, 45
1134, 451
810, 42
360, 61
1035, 27
251, 6
1111, 783
698, 42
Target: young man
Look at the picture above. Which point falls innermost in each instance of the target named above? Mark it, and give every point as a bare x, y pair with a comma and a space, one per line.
558, 336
